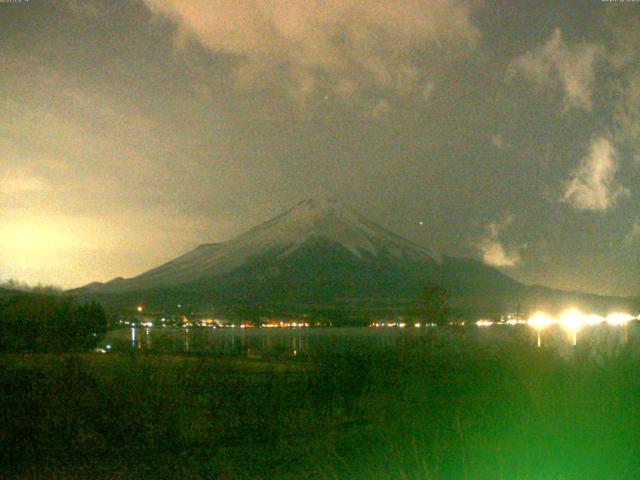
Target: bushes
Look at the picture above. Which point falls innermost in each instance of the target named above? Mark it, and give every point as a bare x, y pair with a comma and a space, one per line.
46, 323
419, 409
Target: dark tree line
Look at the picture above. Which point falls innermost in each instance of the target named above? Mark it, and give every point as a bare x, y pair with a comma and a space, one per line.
47, 323
433, 304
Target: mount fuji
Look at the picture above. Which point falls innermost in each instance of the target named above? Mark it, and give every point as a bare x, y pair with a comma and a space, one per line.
321, 252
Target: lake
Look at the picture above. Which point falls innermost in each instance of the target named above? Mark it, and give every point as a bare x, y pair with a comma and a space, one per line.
309, 341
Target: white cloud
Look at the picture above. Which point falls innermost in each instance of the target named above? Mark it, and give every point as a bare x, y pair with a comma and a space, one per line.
555, 63
493, 250
593, 185
341, 46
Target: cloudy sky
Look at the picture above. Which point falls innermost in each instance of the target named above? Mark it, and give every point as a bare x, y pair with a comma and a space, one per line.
507, 131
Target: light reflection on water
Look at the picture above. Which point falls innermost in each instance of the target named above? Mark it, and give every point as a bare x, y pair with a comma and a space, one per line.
256, 342
235, 341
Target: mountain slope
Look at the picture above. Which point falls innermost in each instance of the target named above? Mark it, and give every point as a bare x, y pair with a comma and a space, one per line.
278, 238
321, 252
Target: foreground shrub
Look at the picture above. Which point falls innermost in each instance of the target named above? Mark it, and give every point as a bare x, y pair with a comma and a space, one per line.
47, 323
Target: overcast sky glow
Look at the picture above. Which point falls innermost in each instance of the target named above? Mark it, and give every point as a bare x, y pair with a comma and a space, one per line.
134, 130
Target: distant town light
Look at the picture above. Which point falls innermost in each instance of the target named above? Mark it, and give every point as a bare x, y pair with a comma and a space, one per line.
618, 318
540, 321
484, 323
571, 318
571, 321
514, 321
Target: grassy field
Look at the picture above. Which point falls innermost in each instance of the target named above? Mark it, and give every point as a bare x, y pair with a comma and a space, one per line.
417, 410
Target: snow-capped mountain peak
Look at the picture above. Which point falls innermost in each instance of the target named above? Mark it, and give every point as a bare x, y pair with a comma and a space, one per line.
325, 219
333, 221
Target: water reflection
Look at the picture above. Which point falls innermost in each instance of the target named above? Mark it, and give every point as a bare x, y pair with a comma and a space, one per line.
561, 337
237, 341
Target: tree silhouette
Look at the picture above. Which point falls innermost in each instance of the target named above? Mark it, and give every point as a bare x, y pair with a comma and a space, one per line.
433, 304
47, 323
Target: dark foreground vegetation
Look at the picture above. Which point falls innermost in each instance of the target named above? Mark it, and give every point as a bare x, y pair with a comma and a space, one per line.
43, 322
419, 410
